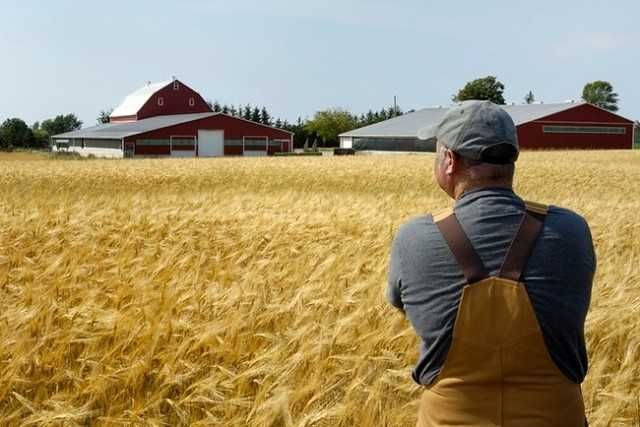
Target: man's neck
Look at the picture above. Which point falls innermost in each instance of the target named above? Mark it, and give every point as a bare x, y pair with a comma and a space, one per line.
463, 188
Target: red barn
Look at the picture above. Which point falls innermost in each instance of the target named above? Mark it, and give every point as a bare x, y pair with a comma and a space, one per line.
171, 119
567, 125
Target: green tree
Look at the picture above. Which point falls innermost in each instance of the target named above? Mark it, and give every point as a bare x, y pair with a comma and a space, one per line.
15, 133
104, 116
486, 88
60, 124
40, 136
246, 114
255, 115
529, 98
370, 118
600, 93
265, 117
216, 107
330, 123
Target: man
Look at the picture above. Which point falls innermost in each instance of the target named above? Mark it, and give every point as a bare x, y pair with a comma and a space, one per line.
496, 289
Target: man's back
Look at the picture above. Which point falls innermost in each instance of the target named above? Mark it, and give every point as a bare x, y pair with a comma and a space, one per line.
426, 281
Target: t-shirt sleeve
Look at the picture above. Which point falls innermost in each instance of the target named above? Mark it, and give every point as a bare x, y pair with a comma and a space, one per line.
394, 279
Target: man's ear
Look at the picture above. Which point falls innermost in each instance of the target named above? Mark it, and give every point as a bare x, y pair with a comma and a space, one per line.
450, 162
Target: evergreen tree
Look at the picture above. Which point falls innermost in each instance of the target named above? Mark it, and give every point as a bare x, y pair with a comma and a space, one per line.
255, 115
278, 123
370, 117
216, 107
529, 98
265, 117
233, 110
104, 116
391, 112
246, 114
225, 109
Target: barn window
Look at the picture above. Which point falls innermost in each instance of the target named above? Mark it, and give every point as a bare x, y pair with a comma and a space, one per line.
160, 101
609, 130
192, 102
176, 85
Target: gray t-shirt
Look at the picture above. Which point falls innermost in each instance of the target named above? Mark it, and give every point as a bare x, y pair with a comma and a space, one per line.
426, 282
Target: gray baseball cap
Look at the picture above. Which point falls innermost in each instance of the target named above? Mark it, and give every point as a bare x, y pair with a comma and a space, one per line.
478, 130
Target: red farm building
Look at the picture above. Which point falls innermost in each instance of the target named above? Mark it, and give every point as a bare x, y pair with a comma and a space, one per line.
567, 125
171, 119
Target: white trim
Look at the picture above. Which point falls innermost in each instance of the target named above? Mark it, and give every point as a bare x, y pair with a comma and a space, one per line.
160, 101
195, 143
582, 123
280, 141
176, 85
266, 138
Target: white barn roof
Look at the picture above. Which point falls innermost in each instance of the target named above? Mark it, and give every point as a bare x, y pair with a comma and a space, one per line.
135, 100
407, 125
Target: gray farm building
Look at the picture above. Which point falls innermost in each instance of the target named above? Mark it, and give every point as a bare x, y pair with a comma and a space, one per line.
569, 125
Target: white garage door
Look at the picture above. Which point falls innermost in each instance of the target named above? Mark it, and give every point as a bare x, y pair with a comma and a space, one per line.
210, 143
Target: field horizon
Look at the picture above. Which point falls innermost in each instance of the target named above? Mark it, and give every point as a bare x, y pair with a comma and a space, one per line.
250, 291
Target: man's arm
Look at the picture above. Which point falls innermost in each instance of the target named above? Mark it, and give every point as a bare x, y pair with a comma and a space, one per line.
394, 279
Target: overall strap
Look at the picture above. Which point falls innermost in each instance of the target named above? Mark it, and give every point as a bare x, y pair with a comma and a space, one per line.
461, 247
523, 242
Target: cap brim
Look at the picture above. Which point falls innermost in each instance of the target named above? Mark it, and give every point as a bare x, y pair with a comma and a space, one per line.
428, 133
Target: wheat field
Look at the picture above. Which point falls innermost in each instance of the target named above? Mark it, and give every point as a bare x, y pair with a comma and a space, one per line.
250, 292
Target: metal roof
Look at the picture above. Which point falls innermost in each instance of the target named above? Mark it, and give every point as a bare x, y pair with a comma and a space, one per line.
408, 124
121, 130
135, 100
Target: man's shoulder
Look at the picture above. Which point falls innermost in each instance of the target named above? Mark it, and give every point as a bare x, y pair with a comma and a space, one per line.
418, 228
566, 219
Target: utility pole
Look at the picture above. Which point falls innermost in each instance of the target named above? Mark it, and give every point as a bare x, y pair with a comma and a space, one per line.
395, 105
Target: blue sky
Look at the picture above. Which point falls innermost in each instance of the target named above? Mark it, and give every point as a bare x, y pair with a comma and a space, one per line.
297, 57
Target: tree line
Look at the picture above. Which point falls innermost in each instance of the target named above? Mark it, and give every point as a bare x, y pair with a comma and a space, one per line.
15, 133
598, 92
321, 130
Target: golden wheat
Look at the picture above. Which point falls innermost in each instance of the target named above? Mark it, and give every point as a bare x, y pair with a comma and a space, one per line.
251, 291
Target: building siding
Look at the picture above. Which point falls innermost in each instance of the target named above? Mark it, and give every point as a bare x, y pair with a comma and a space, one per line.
175, 101
532, 136
234, 131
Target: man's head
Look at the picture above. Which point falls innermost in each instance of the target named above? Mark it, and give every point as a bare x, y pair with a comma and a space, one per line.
476, 147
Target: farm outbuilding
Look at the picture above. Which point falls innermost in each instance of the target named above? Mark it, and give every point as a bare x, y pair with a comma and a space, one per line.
171, 119
567, 125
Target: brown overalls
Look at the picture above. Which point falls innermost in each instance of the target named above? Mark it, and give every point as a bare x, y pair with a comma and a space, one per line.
498, 371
